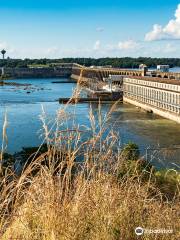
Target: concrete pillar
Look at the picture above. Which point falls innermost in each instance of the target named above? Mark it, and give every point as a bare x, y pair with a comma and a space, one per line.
144, 71
2, 71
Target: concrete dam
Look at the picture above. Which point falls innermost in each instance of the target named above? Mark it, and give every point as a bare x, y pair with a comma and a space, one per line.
62, 70
157, 92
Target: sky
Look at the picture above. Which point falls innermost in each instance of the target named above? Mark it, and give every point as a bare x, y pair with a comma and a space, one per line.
96, 28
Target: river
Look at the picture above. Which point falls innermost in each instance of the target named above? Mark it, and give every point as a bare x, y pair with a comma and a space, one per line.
24, 124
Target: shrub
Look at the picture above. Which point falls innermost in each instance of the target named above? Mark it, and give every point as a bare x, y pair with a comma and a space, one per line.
131, 151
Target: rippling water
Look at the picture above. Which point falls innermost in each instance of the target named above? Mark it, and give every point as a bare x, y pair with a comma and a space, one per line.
24, 109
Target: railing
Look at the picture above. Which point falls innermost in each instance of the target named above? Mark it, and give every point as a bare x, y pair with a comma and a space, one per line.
154, 102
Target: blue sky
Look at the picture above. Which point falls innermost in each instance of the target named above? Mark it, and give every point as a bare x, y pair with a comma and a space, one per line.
67, 28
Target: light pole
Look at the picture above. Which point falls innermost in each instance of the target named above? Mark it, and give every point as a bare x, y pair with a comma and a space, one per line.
3, 53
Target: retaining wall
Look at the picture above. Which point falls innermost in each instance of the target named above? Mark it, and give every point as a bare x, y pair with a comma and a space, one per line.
38, 72
149, 108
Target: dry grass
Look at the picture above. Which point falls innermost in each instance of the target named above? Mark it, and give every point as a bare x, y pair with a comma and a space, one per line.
95, 206
4, 141
57, 198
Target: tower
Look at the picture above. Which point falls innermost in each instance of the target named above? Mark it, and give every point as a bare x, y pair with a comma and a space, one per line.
3, 53
144, 69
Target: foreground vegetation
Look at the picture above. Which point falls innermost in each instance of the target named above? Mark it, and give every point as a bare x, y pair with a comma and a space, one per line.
75, 189
125, 62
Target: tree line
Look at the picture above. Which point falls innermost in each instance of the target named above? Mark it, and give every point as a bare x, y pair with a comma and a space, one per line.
125, 62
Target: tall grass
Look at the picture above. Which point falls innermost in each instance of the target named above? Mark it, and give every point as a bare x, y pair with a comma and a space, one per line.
84, 189
4, 141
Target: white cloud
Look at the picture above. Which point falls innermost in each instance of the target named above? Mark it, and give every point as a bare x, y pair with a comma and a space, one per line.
111, 47
170, 31
155, 34
129, 48
100, 29
169, 48
128, 45
52, 51
97, 45
9, 50
3, 45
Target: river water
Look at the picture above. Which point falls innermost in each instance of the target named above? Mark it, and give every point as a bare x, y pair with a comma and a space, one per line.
24, 124
175, 69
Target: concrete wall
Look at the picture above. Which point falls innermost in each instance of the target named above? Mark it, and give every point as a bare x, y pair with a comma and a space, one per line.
77, 77
163, 98
159, 112
38, 72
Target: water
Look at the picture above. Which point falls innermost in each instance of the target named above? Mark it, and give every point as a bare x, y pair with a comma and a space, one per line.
175, 69
24, 124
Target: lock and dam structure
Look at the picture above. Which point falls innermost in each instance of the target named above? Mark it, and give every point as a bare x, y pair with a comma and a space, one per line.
157, 92
153, 91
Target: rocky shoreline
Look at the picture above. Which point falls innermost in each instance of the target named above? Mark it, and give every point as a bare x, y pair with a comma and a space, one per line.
3, 83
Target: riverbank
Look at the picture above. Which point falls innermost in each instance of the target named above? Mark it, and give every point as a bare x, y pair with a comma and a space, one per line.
10, 83
18, 160
106, 197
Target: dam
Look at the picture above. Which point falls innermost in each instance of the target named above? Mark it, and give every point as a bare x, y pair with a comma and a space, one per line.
158, 93
153, 91
155, 95
62, 70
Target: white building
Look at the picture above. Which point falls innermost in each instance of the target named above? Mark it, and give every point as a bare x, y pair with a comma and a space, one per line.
163, 68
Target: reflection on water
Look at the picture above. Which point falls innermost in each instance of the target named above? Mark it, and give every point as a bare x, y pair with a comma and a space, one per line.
131, 124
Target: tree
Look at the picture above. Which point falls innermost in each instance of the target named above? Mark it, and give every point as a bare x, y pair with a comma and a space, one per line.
3, 52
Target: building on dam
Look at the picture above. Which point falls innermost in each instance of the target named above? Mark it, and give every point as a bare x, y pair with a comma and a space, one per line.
160, 96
